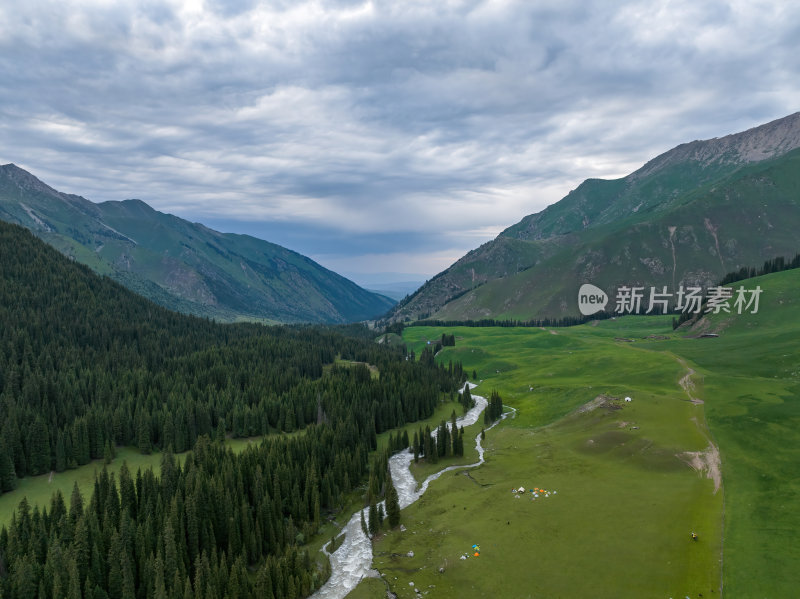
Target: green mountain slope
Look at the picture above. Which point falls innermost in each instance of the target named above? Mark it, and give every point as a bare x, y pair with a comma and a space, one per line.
181, 265
686, 217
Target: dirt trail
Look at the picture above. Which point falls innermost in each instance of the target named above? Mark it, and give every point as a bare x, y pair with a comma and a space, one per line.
707, 461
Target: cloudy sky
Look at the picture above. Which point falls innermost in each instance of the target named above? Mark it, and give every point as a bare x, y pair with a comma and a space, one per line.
382, 138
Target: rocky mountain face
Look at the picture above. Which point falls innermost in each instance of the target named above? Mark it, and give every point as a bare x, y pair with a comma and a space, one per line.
688, 216
181, 265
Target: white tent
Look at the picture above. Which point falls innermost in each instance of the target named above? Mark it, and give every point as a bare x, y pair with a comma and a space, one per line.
521, 490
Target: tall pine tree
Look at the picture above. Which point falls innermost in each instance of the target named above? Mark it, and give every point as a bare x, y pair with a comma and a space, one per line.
392, 502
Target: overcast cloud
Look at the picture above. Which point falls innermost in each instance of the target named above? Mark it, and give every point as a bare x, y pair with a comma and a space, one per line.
376, 137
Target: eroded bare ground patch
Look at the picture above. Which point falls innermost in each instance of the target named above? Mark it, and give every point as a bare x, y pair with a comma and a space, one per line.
687, 384
706, 462
601, 401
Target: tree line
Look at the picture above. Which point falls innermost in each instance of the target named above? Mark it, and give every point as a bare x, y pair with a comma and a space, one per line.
777, 264
564, 321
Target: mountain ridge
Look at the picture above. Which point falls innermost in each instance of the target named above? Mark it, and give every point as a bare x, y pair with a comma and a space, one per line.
182, 265
670, 211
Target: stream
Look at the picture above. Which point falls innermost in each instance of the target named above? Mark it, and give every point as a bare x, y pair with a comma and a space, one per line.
352, 561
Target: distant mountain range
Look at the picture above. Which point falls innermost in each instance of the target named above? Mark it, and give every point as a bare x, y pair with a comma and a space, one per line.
181, 265
395, 290
689, 216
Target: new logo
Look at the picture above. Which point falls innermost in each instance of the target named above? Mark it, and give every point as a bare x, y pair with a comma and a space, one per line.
591, 299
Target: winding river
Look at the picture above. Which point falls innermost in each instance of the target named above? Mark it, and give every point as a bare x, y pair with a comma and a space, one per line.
352, 561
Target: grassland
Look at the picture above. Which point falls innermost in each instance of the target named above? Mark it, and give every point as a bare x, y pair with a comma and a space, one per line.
749, 378
373, 370
39, 489
627, 498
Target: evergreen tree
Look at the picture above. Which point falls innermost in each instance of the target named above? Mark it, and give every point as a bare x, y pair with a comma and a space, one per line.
263, 588
108, 455
61, 453
8, 478
40, 448
143, 434
75, 504
392, 502
364, 524
159, 587
373, 523
466, 399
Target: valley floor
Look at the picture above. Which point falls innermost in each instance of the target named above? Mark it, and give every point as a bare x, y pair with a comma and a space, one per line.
707, 444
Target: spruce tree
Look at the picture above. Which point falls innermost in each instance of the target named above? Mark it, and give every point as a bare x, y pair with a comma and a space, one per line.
8, 478
143, 434
466, 399
373, 523
264, 583
40, 448
61, 453
392, 502
75, 504
108, 456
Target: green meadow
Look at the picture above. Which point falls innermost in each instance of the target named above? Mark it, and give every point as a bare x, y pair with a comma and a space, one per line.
627, 499
39, 489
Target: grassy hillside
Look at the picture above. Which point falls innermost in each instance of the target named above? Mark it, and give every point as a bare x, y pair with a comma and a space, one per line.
181, 265
688, 216
627, 498
750, 380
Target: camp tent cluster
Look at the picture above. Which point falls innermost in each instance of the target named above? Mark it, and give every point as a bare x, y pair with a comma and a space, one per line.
475, 552
535, 492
